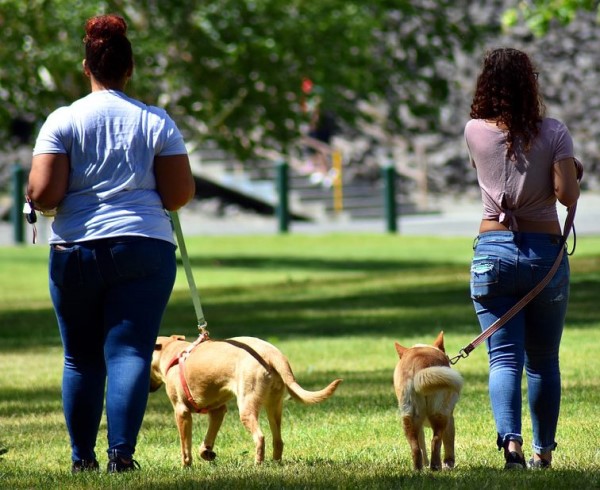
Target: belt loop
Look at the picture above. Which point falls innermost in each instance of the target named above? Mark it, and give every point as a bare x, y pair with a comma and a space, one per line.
475, 241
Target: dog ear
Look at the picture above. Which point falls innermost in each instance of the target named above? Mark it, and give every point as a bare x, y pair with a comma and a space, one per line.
400, 349
178, 337
439, 342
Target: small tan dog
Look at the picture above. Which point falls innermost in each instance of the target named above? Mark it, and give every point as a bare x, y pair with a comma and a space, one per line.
250, 369
427, 390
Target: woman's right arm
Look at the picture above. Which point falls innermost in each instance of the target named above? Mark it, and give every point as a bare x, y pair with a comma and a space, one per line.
48, 180
566, 186
174, 181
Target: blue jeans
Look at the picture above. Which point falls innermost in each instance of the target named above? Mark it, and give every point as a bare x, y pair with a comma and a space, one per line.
109, 297
505, 267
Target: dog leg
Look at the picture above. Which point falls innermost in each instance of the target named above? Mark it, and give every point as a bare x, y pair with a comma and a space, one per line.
183, 419
274, 409
411, 430
423, 446
249, 407
215, 419
448, 439
438, 425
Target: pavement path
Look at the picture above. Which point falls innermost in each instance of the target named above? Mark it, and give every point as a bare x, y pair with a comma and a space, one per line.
457, 217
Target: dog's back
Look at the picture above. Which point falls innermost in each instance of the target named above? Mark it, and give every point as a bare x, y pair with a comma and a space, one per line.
271, 357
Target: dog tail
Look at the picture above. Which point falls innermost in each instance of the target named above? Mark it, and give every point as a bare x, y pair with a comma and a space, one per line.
434, 378
310, 397
283, 368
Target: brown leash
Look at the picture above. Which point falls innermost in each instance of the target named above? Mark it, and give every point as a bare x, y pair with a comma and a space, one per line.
464, 352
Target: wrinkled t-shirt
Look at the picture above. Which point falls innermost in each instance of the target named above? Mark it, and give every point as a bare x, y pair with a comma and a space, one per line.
522, 187
111, 141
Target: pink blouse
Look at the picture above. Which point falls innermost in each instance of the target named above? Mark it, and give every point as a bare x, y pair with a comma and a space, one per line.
521, 188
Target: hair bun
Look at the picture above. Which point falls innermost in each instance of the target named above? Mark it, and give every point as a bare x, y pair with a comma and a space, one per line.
104, 27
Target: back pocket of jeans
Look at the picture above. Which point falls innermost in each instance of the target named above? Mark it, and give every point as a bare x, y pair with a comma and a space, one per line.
65, 266
136, 259
485, 275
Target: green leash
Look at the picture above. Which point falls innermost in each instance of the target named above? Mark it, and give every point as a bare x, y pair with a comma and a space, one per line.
188, 272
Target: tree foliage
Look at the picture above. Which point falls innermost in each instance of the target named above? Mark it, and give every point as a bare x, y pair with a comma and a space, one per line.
539, 14
231, 70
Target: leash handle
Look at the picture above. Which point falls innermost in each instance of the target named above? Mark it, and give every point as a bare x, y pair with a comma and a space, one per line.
30, 216
188, 272
464, 352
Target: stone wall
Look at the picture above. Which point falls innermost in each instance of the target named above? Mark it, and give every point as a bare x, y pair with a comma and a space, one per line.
568, 60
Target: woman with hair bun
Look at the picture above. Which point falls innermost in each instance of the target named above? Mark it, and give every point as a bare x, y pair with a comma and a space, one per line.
109, 167
524, 164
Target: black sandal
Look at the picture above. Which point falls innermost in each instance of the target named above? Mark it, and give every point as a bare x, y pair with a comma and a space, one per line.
539, 464
117, 464
514, 461
84, 465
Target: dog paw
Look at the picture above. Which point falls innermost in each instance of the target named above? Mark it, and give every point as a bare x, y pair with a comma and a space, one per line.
208, 455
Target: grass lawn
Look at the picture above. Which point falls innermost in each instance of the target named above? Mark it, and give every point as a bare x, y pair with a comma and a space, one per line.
334, 304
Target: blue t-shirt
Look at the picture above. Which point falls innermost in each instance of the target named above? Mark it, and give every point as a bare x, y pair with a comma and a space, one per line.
111, 141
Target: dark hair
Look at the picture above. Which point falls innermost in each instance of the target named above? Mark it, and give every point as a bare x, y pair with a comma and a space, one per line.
507, 92
108, 52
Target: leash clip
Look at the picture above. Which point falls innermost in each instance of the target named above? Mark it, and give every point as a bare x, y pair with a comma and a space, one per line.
462, 354
203, 331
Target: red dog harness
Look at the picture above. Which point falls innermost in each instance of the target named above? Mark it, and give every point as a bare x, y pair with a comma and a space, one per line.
180, 359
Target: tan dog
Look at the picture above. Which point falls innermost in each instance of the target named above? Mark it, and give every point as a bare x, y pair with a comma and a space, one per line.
250, 369
427, 390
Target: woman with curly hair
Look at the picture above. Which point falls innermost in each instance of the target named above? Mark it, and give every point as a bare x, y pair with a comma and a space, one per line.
109, 167
524, 163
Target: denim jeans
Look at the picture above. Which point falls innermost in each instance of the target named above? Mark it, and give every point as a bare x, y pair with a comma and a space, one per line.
109, 297
505, 267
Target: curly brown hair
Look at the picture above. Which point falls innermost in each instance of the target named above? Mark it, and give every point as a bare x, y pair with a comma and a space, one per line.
507, 92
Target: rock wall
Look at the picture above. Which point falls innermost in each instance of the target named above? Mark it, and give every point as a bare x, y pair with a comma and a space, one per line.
568, 60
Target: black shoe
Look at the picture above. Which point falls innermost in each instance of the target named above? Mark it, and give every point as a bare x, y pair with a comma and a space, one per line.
116, 464
539, 464
84, 465
514, 461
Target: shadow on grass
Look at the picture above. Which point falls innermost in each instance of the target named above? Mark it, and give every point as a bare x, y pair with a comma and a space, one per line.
294, 309
323, 473
26, 401
312, 264
327, 474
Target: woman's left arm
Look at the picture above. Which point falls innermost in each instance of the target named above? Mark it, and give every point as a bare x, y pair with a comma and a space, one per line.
48, 180
566, 186
174, 180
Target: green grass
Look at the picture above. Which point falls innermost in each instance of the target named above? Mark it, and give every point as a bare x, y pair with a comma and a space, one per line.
334, 304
